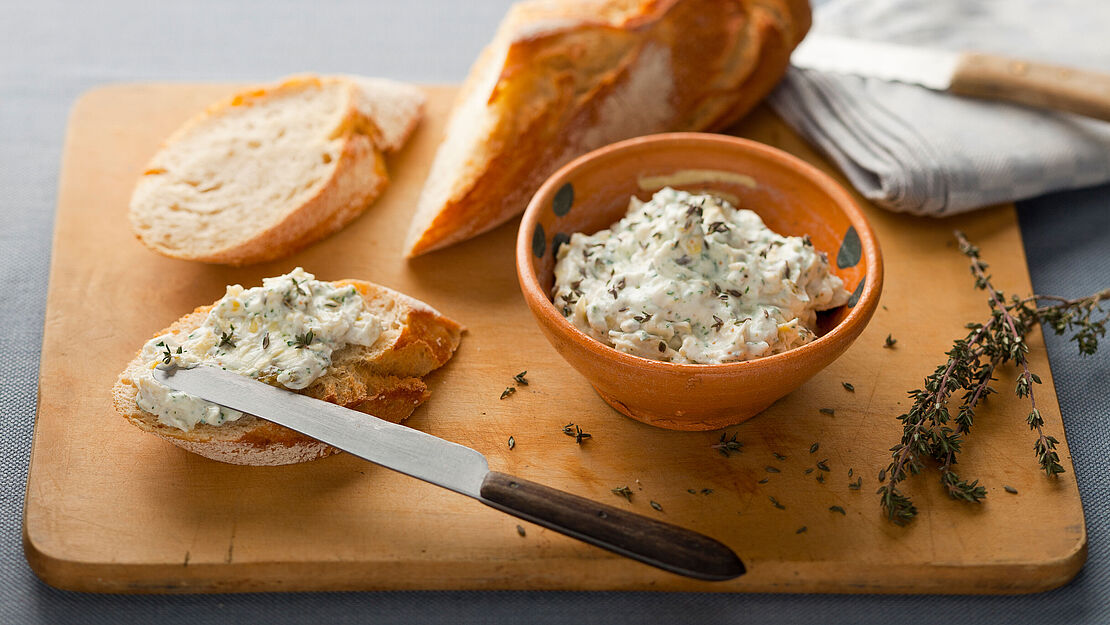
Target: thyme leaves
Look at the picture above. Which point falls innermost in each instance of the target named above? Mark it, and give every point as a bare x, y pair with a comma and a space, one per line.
930, 432
576, 432
622, 491
302, 341
728, 445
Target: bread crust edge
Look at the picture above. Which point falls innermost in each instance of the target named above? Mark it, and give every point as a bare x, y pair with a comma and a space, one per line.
418, 330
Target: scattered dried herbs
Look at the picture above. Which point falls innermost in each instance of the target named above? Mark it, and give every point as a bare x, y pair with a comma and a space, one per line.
775, 503
771, 469
828, 411
520, 530
509, 390
573, 430
512, 442
890, 342
623, 491
813, 448
655, 504
856, 485
848, 387
801, 530
823, 464
778, 456
728, 445
764, 480
837, 509
520, 379
1010, 489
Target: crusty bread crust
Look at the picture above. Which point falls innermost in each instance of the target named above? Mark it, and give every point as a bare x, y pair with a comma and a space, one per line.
383, 379
564, 77
377, 116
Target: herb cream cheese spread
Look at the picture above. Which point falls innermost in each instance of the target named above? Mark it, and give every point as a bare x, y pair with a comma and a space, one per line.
688, 278
283, 331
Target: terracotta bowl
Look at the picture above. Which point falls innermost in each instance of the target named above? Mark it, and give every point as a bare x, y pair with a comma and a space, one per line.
792, 197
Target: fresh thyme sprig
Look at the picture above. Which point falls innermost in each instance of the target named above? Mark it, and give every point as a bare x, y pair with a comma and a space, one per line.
931, 432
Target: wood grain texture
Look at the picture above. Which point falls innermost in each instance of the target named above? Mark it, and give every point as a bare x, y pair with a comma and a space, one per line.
1039, 85
110, 508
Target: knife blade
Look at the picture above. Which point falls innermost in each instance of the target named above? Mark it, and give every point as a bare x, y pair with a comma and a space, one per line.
465, 471
973, 74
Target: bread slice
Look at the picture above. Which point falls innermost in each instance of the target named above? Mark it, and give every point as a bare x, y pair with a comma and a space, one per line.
563, 77
270, 170
383, 379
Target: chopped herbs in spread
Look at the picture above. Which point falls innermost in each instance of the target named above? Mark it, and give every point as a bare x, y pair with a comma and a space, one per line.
688, 278
283, 332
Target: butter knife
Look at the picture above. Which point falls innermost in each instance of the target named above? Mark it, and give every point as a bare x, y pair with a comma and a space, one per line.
464, 471
974, 74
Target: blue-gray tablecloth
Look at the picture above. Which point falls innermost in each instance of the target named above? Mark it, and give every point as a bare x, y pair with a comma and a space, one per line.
51, 51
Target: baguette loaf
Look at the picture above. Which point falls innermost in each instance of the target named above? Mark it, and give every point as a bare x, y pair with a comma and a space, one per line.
563, 77
383, 379
270, 170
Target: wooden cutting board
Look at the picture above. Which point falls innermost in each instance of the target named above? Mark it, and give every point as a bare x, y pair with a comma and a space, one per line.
110, 508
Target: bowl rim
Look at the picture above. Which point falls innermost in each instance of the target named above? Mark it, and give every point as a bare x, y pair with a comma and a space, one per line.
859, 314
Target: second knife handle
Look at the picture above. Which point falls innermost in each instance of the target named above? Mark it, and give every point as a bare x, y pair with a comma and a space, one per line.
653, 542
1033, 84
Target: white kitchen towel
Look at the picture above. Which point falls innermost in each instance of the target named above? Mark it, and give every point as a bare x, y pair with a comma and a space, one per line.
910, 149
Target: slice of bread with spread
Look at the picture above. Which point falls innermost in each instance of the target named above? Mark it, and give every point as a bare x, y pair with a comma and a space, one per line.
270, 170
382, 379
563, 77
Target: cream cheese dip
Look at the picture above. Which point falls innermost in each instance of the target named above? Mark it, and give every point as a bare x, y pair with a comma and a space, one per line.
283, 331
688, 278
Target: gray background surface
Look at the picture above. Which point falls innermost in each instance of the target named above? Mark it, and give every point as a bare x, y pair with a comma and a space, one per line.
50, 52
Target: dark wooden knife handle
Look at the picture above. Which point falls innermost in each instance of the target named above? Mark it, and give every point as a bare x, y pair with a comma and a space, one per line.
659, 544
